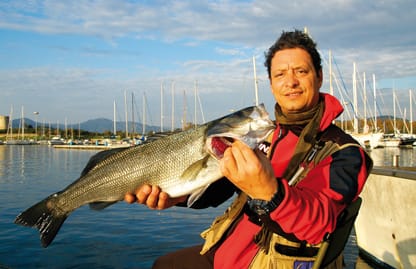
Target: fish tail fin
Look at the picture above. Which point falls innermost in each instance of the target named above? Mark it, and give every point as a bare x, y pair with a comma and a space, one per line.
44, 218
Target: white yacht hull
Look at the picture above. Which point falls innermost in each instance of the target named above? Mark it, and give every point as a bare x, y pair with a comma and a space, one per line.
368, 140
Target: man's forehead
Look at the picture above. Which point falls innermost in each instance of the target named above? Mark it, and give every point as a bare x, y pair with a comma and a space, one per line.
280, 65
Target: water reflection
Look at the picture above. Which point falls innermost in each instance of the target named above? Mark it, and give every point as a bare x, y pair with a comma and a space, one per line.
2, 160
385, 156
31, 163
127, 236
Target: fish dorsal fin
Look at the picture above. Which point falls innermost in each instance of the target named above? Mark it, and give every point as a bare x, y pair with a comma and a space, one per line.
100, 156
193, 170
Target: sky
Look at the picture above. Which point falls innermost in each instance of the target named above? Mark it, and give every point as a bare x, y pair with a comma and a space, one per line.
71, 61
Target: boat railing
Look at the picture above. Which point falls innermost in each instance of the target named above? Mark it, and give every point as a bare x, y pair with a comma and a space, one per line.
402, 172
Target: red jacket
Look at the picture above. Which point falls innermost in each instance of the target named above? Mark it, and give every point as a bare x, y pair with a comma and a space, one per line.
308, 210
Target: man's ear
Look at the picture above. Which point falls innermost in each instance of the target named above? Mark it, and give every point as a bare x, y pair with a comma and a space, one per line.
320, 77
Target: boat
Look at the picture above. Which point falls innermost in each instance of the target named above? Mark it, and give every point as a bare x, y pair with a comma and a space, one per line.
56, 140
397, 140
21, 142
386, 226
368, 140
407, 140
390, 140
21, 133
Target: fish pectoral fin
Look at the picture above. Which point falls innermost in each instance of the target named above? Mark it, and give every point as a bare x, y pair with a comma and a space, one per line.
101, 205
196, 195
193, 170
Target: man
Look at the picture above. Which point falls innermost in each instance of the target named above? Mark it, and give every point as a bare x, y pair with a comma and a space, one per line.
291, 199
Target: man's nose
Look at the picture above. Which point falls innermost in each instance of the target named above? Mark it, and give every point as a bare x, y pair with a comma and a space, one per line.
292, 79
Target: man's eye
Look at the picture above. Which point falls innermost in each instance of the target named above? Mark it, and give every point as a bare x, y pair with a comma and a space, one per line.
301, 71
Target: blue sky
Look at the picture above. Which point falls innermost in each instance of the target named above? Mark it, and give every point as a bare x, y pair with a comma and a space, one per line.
71, 60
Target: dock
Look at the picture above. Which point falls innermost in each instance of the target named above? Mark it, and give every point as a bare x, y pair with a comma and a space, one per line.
92, 147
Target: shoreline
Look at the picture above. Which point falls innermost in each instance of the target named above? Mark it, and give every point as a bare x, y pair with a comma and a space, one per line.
91, 147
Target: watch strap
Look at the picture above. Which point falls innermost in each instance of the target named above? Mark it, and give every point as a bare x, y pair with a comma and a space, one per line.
262, 207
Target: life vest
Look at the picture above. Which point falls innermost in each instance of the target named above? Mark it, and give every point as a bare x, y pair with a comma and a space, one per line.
276, 250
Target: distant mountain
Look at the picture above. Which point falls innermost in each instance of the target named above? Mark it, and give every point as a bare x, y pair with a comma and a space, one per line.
100, 125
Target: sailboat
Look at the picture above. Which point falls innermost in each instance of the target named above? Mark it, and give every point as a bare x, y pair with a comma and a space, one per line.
21, 133
397, 138
409, 140
367, 139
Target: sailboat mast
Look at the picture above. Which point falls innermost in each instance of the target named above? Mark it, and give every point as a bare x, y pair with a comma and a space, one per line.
23, 124
66, 128
161, 106
200, 108
132, 115
375, 103
173, 107
125, 113
184, 111
144, 115
394, 111
114, 118
256, 89
411, 112
354, 92
195, 93
365, 102
331, 89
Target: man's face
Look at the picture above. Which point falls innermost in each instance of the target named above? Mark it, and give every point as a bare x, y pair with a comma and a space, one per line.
294, 81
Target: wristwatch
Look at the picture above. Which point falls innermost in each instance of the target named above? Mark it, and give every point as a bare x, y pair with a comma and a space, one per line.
262, 207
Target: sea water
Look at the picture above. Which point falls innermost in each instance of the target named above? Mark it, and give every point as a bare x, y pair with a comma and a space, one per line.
120, 236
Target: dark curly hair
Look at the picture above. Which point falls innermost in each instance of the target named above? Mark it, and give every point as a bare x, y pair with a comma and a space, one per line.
291, 40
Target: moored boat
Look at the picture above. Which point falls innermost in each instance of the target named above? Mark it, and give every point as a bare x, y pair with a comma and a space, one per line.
21, 142
390, 141
407, 140
56, 140
386, 225
368, 140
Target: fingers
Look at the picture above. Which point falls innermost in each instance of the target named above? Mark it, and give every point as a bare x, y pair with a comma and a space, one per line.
148, 195
227, 162
130, 198
249, 170
152, 197
236, 158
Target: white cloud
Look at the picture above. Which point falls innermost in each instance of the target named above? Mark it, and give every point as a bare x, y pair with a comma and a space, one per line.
378, 35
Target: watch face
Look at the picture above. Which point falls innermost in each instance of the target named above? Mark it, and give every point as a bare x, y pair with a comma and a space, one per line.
259, 206
261, 211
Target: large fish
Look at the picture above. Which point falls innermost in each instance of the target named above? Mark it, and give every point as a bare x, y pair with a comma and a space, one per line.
184, 163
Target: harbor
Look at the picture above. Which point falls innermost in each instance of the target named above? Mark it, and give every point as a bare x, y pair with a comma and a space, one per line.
121, 236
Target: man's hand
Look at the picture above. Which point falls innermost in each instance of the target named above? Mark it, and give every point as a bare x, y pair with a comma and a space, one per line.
153, 197
249, 170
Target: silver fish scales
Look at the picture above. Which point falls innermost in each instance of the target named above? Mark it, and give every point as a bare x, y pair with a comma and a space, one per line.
183, 163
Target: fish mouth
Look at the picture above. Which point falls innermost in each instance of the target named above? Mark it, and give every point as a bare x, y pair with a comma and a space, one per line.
218, 144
